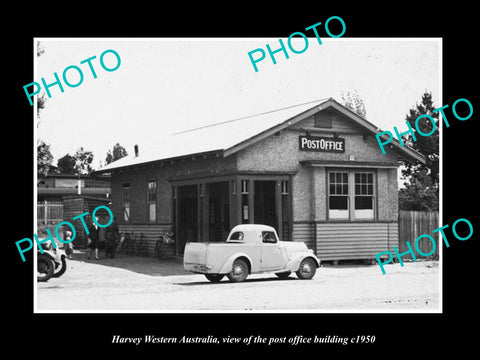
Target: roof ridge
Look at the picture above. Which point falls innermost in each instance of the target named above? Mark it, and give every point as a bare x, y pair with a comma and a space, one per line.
248, 116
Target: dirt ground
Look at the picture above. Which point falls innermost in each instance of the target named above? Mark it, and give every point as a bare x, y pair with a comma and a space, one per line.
136, 284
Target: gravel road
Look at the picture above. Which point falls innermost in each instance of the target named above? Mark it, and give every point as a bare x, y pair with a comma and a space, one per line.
136, 284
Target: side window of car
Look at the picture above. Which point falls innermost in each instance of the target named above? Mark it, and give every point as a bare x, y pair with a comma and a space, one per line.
237, 236
268, 237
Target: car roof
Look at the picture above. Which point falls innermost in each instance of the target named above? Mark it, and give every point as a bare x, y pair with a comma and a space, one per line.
253, 227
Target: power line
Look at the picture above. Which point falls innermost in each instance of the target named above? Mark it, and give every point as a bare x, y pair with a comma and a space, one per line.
246, 117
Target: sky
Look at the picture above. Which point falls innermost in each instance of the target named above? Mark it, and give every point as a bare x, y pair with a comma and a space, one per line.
166, 85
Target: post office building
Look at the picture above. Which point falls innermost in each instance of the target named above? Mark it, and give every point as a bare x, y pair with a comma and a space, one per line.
313, 171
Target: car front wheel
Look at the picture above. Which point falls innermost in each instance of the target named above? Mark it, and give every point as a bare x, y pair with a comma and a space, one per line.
60, 270
45, 267
307, 269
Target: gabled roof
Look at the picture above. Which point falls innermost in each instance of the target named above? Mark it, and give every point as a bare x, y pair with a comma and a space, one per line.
234, 135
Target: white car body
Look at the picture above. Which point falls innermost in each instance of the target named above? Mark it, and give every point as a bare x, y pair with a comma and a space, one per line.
260, 248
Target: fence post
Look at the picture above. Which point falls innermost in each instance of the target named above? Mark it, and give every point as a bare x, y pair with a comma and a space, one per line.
45, 212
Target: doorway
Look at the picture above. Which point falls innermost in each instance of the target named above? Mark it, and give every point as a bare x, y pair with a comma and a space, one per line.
218, 211
187, 202
265, 210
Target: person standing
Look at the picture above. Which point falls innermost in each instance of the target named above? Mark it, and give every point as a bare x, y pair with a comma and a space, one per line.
68, 243
112, 236
93, 238
102, 232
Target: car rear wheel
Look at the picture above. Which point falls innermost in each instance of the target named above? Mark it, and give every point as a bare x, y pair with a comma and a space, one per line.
239, 271
214, 277
307, 269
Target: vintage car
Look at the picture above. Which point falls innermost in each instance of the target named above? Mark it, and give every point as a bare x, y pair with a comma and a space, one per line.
51, 263
250, 248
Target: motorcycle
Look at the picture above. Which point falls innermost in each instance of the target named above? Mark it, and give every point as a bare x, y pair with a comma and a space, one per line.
52, 263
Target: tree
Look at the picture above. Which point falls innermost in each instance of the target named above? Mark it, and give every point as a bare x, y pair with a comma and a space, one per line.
44, 159
117, 152
66, 165
354, 102
40, 99
422, 181
83, 160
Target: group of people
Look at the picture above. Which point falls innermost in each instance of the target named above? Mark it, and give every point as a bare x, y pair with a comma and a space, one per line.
110, 236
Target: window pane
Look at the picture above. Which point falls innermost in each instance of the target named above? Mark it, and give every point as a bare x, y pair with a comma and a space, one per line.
152, 212
338, 202
332, 189
237, 235
363, 202
345, 189
370, 178
363, 208
370, 190
332, 177
152, 191
268, 237
338, 207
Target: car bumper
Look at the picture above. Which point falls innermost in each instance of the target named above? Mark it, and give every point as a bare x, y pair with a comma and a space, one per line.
198, 268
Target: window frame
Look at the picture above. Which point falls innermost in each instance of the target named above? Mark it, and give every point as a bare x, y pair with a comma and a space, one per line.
264, 233
353, 216
126, 202
151, 200
237, 240
372, 195
340, 184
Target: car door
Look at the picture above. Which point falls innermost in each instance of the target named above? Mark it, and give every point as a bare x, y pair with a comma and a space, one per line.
271, 257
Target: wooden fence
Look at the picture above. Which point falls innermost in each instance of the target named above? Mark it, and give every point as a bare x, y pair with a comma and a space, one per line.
49, 213
412, 224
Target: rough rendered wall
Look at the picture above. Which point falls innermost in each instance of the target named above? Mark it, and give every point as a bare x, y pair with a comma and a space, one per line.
280, 153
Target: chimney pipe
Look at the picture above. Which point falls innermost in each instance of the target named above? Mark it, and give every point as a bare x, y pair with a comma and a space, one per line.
136, 150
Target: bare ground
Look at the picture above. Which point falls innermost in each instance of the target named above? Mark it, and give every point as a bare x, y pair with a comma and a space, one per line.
137, 284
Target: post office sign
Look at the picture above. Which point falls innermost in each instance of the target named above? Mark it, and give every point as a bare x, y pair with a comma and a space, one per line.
322, 144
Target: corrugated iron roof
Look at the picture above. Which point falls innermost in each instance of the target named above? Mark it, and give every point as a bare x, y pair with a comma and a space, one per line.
228, 136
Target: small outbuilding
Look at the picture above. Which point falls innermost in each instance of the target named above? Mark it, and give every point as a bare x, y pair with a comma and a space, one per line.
313, 171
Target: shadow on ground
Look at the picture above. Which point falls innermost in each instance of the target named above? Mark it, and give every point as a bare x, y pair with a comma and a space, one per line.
143, 265
268, 277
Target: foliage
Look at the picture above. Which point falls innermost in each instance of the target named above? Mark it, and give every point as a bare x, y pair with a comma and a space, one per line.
84, 160
40, 99
66, 165
117, 152
44, 159
422, 181
354, 102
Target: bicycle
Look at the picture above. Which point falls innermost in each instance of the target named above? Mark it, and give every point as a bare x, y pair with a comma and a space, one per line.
141, 246
128, 245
